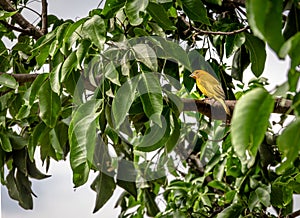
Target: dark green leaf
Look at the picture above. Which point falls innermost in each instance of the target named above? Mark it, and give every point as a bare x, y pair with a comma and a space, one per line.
149, 199
34, 172
104, 185
293, 22
82, 136
160, 15
127, 176
240, 62
233, 43
24, 188
5, 142
200, 14
34, 138
257, 51
288, 144
249, 123
50, 105
291, 47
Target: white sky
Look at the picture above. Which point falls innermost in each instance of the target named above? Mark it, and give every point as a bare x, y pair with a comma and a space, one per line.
56, 197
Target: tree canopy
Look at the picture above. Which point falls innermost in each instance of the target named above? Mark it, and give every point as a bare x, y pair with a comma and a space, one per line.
111, 94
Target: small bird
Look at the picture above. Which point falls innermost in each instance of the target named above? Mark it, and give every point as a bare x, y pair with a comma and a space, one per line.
210, 87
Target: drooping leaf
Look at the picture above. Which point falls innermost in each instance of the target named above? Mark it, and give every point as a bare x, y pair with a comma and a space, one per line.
123, 100
150, 92
50, 105
104, 185
257, 51
234, 42
69, 64
293, 22
160, 15
199, 15
265, 19
5, 142
149, 199
249, 123
82, 137
290, 47
240, 62
134, 9
288, 144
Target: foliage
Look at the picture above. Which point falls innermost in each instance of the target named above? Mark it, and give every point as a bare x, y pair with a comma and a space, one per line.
109, 101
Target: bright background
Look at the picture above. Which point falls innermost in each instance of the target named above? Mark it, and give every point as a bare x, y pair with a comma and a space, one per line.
56, 196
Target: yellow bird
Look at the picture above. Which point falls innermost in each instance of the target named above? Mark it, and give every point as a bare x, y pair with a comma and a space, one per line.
210, 87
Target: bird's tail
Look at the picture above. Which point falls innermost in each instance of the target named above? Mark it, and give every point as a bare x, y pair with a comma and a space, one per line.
226, 108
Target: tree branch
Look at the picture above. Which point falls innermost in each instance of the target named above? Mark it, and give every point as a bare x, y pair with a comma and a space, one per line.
294, 214
23, 78
20, 20
199, 31
214, 109
44, 17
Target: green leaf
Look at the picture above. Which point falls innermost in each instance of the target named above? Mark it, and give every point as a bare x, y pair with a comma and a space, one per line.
82, 137
257, 52
95, 30
104, 185
34, 172
265, 19
8, 81
111, 73
69, 64
127, 176
82, 51
145, 54
291, 47
24, 189
249, 123
111, 7
134, 10
55, 76
288, 145
234, 210
150, 92
5, 14
123, 100
240, 62
233, 43
5, 142
200, 14
50, 105
160, 15
38, 131
149, 199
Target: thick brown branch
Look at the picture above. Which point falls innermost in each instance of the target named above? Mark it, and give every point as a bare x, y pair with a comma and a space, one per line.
294, 214
214, 110
20, 20
23, 78
44, 17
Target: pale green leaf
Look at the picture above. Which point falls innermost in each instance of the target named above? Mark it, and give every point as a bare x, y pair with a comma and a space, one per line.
95, 30
145, 54
133, 9
8, 81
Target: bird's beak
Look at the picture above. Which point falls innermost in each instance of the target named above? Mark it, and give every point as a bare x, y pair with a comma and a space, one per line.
192, 75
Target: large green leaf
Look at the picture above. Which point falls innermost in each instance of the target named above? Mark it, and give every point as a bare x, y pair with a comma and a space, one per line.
82, 137
160, 15
195, 10
291, 48
265, 19
104, 185
257, 51
134, 9
50, 105
5, 142
69, 64
123, 100
95, 30
289, 145
249, 123
151, 95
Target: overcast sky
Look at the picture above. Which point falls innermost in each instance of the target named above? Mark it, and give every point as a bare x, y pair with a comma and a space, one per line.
56, 196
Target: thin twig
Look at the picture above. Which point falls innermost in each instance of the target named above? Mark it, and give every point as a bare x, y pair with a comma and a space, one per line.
208, 32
